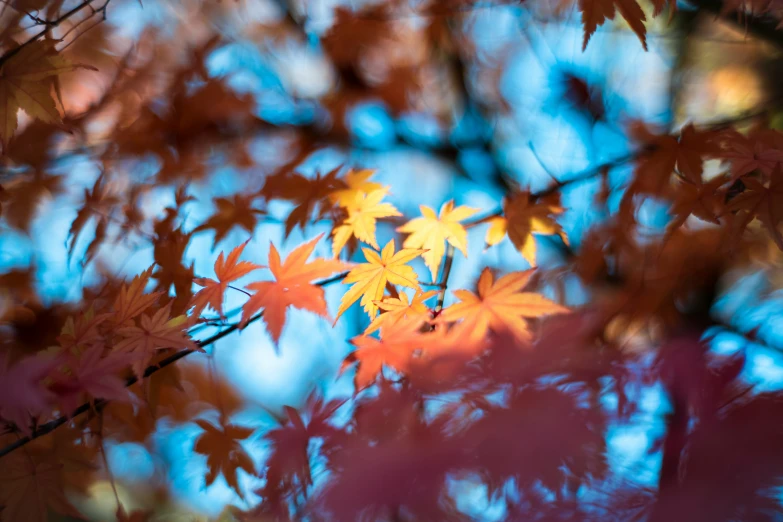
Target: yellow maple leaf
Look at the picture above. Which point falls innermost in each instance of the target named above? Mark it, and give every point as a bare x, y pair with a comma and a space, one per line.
370, 278
522, 217
400, 308
26, 82
363, 212
500, 305
431, 232
357, 182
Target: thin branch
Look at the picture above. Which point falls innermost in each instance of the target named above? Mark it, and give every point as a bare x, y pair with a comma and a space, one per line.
444, 279
171, 359
49, 26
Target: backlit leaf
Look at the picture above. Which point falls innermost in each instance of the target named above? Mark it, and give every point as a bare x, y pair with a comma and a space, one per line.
369, 279
431, 232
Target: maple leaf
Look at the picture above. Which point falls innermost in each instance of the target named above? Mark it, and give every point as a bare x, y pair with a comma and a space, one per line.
362, 215
23, 394
26, 81
227, 270
24, 196
97, 202
292, 287
703, 201
664, 152
522, 217
500, 305
596, 12
131, 301
30, 487
759, 150
224, 453
288, 464
432, 231
395, 348
229, 213
309, 194
357, 182
396, 309
158, 332
83, 331
764, 203
369, 279
94, 374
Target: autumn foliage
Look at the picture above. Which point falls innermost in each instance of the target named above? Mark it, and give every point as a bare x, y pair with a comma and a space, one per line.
507, 386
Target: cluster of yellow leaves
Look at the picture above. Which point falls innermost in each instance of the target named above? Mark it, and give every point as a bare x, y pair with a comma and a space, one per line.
27, 79
408, 327
410, 336
362, 201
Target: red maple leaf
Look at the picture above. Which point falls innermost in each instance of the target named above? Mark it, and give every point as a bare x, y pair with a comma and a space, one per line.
23, 394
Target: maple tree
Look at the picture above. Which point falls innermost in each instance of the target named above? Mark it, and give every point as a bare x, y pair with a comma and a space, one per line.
518, 328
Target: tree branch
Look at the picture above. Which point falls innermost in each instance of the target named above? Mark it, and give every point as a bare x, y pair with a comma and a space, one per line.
444, 278
171, 359
48, 26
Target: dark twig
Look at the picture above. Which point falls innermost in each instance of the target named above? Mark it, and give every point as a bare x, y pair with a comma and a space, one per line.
48, 27
171, 359
444, 278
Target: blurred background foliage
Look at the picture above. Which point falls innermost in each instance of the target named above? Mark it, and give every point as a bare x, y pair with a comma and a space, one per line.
447, 100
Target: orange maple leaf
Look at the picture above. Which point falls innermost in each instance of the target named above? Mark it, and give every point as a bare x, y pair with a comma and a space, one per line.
158, 332
132, 300
396, 309
292, 287
395, 349
500, 306
224, 453
227, 270
523, 216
